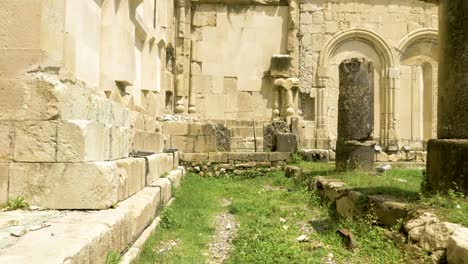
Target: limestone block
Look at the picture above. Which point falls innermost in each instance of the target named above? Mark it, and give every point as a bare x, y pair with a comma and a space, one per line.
66, 185
457, 247
201, 129
137, 120
320, 155
175, 177
205, 144
104, 110
435, 236
292, 171
6, 141
167, 163
278, 156
153, 142
87, 237
183, 143
280, 65
154, 164
331, 189
388, 210
194, 157
151, 124
350, 205
147, 142
166, 189
176, 159
176, 128
81, 140
120, 116
382, 156
286, 142
27, 100
134, 170
218, 157
119, 143
4, 177
248, 156
35, 141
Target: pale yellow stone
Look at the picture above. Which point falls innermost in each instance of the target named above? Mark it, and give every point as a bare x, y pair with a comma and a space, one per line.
4, 178
81, 140
6, 141
66, 185
35, 141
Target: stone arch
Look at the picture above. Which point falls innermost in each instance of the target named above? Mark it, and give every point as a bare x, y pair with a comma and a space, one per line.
418, 64
424, 34
366, 35
381, 51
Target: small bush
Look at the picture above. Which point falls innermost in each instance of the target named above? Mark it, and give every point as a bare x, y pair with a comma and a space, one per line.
295, 159
167, 219
17, 203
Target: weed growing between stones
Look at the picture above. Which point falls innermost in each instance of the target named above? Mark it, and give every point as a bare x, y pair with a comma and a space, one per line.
113, 258
17, 203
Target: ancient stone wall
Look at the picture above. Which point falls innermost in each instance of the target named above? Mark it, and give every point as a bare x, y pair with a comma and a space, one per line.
231, 51
400, 37
82, 84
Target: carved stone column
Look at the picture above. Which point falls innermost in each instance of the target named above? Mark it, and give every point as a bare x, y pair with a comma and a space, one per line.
322, 137
447, 161
355, 145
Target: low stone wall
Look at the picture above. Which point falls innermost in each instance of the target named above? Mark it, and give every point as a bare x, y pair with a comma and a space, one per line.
422, 232
325, 155
216, 163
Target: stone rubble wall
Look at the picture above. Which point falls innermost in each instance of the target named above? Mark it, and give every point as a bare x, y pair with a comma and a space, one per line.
220, 163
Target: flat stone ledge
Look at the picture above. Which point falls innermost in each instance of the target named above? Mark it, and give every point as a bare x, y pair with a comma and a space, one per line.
87, 236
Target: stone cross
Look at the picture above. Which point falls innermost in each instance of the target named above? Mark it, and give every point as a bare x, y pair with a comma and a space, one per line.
355, 145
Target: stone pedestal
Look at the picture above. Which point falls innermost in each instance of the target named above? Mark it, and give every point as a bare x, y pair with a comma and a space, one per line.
447, 166
447, 161
355, 147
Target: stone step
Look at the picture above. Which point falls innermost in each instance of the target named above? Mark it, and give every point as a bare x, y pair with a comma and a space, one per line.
91, 185
87, 237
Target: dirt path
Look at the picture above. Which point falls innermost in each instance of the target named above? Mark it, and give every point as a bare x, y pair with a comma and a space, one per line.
226, 227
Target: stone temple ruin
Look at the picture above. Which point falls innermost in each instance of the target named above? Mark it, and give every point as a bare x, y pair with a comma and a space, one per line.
100, 98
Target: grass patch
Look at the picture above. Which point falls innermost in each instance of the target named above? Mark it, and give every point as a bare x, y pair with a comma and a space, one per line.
401, 183
263, 206
452, 207
113, 258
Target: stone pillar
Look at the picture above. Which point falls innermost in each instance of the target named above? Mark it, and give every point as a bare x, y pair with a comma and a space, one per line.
322, 136
354, 147
447, 161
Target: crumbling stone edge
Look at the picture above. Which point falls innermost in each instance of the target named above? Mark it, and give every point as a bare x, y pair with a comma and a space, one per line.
421, 231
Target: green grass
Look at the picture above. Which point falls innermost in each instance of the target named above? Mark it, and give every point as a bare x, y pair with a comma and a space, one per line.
400, 183
258, 204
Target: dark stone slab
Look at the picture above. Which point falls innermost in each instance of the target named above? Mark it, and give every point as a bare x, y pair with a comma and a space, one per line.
286, 142
354, 147
355, 155
269, 134
447, 165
